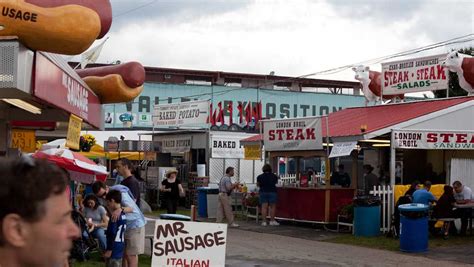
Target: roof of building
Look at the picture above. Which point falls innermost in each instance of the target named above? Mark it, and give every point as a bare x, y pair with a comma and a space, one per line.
348, 122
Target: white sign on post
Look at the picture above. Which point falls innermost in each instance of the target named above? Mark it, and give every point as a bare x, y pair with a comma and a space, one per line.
176, 145
342, 149
414, 75
293, 134
177, 243
184, 113
227, 147
417, 139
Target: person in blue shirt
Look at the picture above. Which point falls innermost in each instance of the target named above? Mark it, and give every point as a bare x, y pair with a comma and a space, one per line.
115, 231
423, 195
135, 233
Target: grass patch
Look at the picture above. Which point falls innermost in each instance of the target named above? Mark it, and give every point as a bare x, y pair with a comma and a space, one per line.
385, 243
95, 261
157, 213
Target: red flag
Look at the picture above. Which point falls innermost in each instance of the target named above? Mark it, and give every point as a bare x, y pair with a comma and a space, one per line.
241, 111
220, 116
230, 108
248, 112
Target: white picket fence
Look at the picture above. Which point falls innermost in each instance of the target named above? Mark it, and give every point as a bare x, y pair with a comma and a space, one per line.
385, 193
287, 179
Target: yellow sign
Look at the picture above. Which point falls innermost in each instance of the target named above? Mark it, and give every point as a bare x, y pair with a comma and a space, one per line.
25, 140
252, 152
74, 132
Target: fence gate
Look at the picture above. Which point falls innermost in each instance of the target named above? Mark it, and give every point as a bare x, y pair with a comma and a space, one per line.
385, 193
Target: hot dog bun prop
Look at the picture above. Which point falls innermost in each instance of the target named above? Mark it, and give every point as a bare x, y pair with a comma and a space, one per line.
102, 7
63, 27
116, 83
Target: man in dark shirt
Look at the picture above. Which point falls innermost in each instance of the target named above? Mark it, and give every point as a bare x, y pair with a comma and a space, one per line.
125, 167
341, 177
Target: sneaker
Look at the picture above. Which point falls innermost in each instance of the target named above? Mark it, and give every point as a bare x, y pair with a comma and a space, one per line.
264, 224
274, 223
234, 225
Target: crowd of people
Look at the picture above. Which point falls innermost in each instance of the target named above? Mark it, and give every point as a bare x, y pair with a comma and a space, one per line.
447, 206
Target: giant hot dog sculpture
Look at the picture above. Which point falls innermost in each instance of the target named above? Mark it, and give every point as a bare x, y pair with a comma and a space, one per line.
117, 83
57, 26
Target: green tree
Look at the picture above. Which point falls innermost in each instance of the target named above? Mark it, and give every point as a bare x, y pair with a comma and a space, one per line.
453, 84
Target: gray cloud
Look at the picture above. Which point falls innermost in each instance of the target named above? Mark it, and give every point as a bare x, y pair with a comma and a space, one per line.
136, 11
437, 20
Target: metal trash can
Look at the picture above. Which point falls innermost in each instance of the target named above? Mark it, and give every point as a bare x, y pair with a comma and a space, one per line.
212, 199
366, 216
414, 227
175, 217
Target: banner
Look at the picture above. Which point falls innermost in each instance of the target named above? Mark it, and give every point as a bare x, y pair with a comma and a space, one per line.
176, 145
407, 139
181, 114
227, 147
74, 132
179, 243
342, 149
25, 140
292, 134
252, 152
414, 75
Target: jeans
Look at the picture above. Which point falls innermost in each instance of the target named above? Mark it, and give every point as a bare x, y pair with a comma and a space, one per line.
99, 233
171, 205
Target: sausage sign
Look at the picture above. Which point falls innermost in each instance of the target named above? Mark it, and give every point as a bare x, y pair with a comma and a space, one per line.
192, 244
414, 75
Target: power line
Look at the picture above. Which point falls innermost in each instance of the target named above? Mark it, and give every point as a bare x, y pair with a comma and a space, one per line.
456, 40
136, 8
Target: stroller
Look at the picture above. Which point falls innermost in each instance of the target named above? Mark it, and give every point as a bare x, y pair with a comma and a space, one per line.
82, 246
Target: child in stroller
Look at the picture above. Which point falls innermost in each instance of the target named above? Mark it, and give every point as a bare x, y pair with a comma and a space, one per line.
85, 244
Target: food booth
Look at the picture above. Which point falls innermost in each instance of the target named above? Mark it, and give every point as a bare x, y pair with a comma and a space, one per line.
302, 139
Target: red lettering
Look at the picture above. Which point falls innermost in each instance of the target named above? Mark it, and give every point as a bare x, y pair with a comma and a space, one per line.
289, 134
446, 137
299, 134
461, 138
387, 78
405, 76
441, 73
400, 76
472, 139
425, 73
310, 133
280, 133
431, 138
271, 135
432, 73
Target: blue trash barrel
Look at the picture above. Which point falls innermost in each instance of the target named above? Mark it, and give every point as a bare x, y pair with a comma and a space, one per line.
367, 221
202, 201
413, 227
176, 217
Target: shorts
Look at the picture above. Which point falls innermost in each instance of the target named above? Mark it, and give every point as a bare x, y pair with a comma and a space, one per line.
135, 241
114, 263
268, 197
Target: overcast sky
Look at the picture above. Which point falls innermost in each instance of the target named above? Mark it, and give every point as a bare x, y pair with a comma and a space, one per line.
289, 37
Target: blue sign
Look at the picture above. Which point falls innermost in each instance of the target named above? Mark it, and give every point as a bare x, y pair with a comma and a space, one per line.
274, 103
